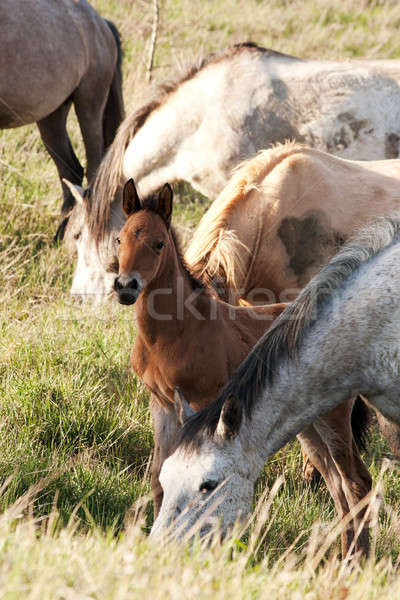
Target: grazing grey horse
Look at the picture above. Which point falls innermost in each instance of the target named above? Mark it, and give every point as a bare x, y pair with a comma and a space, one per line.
340, 337
221, 112
53, 54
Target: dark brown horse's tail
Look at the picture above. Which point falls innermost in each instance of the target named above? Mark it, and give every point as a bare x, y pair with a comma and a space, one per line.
114, 112
360, 422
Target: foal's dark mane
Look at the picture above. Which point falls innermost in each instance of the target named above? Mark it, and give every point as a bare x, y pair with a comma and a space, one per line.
284, 339
108, 176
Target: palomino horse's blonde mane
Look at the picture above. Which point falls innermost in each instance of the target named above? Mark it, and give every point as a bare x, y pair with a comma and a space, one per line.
286, 334
215, 248
109, 174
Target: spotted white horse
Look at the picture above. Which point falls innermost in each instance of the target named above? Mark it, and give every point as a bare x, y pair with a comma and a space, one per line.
221, 112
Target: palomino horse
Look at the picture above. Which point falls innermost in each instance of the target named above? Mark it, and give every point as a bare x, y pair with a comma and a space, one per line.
339, 337
189, 338
223, 111
53, 54
283, 215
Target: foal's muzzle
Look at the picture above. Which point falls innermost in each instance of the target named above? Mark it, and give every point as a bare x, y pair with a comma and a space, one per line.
127, 292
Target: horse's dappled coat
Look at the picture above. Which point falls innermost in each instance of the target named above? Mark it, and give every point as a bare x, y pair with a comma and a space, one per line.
339, 337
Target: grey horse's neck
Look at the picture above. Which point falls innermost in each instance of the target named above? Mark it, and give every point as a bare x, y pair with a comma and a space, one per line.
352, 348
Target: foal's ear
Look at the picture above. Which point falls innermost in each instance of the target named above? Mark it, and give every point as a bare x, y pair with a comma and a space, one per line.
164, 208
182, 408
230, 419
130, 200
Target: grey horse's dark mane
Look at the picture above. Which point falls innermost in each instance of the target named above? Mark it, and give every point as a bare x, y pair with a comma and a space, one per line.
108, 177
285, 337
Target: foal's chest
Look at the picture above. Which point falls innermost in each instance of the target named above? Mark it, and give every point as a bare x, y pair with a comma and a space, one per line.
162, 372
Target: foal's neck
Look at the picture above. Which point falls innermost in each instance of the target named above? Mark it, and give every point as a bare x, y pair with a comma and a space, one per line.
174, 300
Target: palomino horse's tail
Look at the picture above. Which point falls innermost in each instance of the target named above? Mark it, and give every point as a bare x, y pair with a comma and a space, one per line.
114, 111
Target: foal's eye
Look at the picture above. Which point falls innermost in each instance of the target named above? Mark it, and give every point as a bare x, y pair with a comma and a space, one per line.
77, 235
118, 241
159, 245
208, 486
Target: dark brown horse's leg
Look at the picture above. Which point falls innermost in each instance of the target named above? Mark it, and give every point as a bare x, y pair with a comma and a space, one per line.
361, 415
357, 483
319, 454
391, 431
166, 427
308, 471
335, 428
54, 134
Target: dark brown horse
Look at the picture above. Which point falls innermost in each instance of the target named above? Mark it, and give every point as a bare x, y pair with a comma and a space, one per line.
53, 55
188, 338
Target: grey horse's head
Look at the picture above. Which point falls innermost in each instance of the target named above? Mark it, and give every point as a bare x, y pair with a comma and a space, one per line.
96, 258
209, 484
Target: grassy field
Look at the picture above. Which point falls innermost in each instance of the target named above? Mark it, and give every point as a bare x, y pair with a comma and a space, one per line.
74, 419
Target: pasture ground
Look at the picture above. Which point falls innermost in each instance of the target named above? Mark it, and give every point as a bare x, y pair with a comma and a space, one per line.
75, 430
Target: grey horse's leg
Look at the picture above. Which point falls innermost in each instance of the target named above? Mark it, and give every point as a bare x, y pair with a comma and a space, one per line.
54, 134
90, 100
166, 427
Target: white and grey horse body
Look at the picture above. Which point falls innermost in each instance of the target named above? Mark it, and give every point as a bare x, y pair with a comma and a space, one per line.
234, 108
234, 104
53, 54
340, 337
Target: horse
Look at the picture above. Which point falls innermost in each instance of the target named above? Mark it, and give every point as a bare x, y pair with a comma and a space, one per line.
189, 339
340, 336
221, 112
284, 214
68, 55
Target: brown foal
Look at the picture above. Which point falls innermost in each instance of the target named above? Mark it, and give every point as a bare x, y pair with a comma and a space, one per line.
189, 339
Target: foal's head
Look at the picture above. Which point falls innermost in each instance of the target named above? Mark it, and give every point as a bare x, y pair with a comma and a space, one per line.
142, 241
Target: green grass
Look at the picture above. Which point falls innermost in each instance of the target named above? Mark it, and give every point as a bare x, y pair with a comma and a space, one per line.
75, 418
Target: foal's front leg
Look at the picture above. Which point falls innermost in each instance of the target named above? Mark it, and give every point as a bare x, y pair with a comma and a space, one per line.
166, 427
